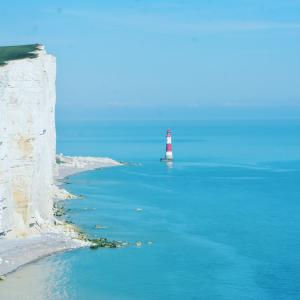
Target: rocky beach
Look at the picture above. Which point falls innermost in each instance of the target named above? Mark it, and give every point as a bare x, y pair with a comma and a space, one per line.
19, 251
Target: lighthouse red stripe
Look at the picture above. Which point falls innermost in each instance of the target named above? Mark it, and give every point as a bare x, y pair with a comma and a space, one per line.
169, 147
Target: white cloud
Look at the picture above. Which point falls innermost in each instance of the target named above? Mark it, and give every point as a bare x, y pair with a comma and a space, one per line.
171, 24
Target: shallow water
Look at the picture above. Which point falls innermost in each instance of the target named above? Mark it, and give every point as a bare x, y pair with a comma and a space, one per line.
223, 219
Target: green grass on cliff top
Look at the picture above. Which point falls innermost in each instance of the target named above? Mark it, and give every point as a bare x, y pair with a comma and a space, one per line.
8, 53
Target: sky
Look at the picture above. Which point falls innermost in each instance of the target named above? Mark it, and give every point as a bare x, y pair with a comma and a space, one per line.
163, 59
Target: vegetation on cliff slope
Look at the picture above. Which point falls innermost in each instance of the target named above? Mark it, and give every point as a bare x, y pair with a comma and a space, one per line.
8, 53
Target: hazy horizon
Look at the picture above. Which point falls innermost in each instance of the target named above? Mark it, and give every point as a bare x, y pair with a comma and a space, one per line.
166, 59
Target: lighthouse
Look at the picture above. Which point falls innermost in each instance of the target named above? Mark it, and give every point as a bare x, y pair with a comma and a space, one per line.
169, 153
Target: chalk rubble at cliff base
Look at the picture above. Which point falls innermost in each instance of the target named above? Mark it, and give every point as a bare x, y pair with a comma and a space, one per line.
16, 252
69, 165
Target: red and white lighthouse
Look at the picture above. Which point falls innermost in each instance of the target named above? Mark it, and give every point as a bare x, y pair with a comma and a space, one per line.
169, 153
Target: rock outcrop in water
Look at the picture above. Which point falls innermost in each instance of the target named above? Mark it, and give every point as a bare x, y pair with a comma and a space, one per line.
27, 142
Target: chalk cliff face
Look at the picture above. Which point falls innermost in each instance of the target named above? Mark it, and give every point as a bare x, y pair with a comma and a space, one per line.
27, 143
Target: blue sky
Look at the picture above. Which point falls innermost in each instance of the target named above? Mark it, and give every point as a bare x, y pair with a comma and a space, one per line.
166, 59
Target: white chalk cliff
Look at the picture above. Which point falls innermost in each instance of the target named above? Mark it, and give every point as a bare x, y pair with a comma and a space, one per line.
27, 144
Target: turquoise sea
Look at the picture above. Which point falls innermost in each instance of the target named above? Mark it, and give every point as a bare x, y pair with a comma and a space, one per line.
223, 221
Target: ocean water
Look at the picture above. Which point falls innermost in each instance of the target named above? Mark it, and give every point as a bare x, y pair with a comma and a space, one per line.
221, 222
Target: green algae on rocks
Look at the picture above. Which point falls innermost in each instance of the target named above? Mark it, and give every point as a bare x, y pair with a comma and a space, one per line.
58, 210
104, 243
95, 243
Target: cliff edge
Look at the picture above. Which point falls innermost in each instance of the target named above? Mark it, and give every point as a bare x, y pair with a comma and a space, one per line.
27, 139
28, 166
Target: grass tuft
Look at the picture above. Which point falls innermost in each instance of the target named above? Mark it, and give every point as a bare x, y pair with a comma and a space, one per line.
8, 53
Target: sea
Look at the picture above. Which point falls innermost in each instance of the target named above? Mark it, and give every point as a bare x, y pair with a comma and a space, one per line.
221, 222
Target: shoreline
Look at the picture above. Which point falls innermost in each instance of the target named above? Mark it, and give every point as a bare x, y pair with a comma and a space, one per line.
18, 252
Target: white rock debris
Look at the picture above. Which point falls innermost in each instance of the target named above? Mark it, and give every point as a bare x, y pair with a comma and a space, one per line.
69, 165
